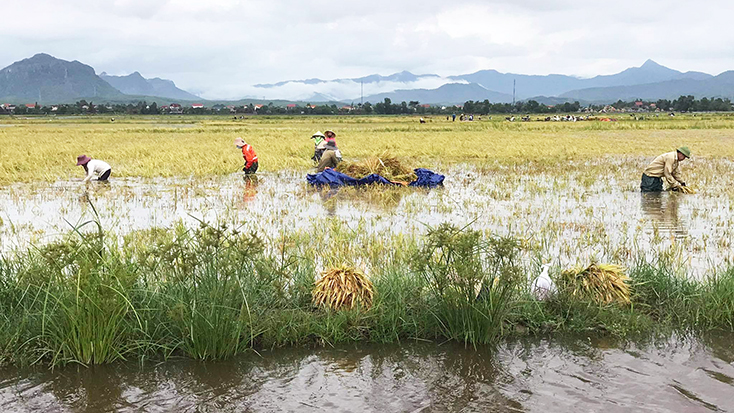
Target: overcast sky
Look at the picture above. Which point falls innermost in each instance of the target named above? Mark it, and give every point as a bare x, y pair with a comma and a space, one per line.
219, 48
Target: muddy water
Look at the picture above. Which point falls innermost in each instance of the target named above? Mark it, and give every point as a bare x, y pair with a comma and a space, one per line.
568, 218
580, 375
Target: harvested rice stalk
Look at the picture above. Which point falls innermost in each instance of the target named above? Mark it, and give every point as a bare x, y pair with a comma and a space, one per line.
341, 288
603, 283
386, 165
686, 190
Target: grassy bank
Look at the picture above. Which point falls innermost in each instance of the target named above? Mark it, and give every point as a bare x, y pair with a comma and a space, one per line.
213, 292
45, 149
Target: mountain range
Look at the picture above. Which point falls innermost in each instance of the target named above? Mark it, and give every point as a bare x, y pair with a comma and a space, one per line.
648, 81
136, 84
48, 80
45, 79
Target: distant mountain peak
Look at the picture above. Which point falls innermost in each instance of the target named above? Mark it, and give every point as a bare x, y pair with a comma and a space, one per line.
136, 84
649, 63
42, 56
46, 79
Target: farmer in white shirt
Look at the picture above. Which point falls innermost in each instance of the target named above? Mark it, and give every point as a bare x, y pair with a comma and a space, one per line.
94, 166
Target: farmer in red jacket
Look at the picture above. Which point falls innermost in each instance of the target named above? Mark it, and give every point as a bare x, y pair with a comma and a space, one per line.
249, 154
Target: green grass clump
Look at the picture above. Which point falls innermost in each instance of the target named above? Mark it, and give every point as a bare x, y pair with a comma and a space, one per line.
212, 292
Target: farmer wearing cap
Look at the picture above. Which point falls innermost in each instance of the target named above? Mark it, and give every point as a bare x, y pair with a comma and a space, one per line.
94, 166
664, 166
249, 154
319, 142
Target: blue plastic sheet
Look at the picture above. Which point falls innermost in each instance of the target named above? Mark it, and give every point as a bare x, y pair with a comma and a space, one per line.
333, 178
427, 178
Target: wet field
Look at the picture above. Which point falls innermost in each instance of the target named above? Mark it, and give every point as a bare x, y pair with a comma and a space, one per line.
566, 218
576, 374
582, 207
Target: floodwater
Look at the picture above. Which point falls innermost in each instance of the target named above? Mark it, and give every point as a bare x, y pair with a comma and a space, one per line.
580, 375
568, 218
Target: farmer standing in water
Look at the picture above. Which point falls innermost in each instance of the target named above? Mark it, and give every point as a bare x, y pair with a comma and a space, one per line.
249, 154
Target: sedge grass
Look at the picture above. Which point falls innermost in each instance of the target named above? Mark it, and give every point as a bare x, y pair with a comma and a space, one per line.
212, 292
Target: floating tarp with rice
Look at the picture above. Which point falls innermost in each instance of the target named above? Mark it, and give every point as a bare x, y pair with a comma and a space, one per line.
385, 170
426, 179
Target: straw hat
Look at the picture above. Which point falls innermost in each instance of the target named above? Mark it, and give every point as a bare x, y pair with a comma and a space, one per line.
82, 160
685, 151
318, 134
330, 132
239, 142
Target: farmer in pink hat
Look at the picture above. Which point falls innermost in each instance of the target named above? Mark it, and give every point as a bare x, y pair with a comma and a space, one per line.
94, 166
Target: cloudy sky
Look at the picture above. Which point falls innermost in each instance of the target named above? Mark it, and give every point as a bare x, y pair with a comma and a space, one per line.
220, 48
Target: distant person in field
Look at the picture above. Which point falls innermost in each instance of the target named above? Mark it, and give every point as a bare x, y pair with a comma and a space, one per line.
249, 154
330, 158
319, 143
94, 166
664, 166
453, 117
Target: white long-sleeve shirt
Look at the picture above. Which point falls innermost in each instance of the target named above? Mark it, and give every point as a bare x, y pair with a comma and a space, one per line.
95, 166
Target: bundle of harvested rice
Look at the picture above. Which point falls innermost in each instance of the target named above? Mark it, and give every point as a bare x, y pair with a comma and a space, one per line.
341, 288
603, 283
686, 190
386, 165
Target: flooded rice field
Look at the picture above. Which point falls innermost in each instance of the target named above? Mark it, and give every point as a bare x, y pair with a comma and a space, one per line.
567, 217
675, 375
570, 214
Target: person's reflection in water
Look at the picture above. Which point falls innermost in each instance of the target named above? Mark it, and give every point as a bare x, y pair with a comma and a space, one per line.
328, 197
251, 183
661, 208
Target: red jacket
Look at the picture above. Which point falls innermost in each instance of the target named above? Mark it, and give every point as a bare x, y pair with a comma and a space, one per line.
249, 154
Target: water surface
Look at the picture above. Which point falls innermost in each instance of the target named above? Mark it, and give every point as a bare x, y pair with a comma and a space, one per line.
676, 375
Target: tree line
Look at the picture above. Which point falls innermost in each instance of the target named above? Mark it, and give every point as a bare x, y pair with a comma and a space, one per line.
386, 107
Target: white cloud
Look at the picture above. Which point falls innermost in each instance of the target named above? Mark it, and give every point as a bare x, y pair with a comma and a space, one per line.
221, 47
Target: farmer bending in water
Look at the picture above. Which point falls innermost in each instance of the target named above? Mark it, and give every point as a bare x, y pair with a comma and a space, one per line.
94, 166
249, 154
664, 166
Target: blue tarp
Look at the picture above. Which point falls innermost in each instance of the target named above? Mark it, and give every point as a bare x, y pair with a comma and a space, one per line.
427, 178
333, 178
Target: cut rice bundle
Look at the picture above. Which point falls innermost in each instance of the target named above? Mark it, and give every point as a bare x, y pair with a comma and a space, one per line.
686, 190
602, 283
386, 165
341, 288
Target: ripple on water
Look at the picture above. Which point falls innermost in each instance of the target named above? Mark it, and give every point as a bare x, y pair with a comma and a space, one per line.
530, 375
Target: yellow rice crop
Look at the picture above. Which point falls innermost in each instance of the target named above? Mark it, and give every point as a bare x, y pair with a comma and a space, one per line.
45, 148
